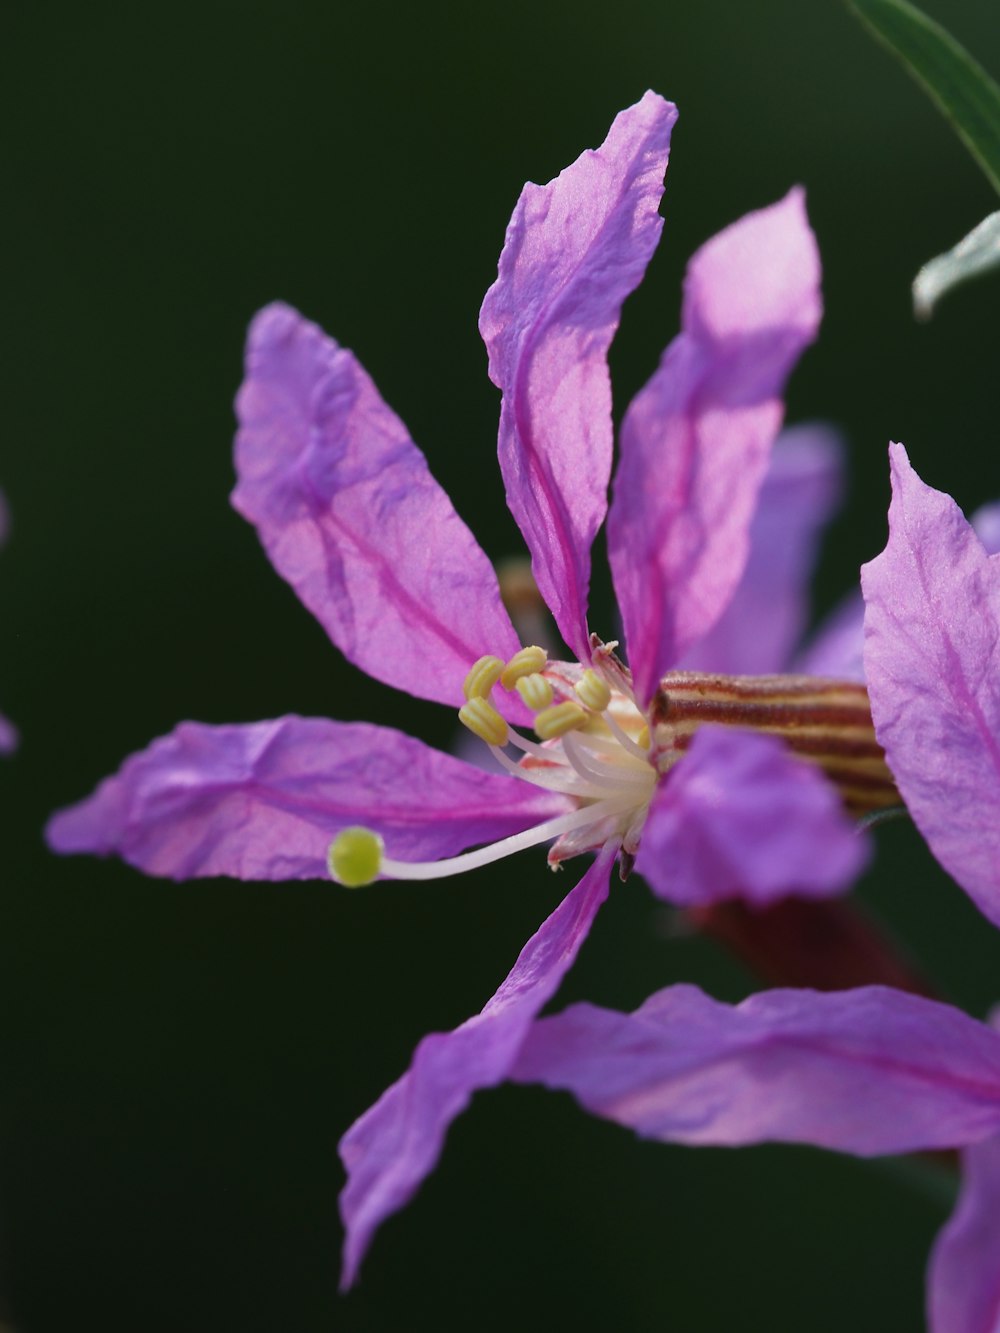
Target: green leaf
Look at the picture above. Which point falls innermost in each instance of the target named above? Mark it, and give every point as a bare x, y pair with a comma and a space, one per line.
962, 89
975, 254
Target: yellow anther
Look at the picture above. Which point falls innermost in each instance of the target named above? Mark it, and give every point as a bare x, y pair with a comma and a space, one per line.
553, 722
355, 857
525, 663
484, 721
483, 676
593, 691
642, 740
535, 690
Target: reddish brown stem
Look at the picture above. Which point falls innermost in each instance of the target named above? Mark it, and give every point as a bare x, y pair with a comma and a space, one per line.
826, 945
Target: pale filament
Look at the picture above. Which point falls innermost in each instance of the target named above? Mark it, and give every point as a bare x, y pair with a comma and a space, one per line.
608, 775
554, 778
552, 828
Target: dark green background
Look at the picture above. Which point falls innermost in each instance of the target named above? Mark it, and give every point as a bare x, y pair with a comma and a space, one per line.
178, 1062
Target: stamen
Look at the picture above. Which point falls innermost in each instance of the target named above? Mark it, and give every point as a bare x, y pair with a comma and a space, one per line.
535, 690
525, 663
553, 722
482, 677
594, 692
615, 776
552, 828
553, 777
484, 721
531, 747
624, 739
355, 857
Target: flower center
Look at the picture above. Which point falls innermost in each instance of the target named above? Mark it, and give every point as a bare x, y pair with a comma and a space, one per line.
593, 745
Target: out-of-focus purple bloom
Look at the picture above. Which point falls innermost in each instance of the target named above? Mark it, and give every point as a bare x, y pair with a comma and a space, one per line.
349, 514
8, 732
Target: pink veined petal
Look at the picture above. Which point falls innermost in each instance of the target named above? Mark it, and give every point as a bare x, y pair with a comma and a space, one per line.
350, 515
932, 658
963, 1281
395, 1145
740, 817
264, 801
765, 620
696, 439
867, 1071
574, 250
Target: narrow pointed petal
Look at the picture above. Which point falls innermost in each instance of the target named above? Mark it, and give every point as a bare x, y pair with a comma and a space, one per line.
264, 801
740, 817
932, 659
963, 1281
574, 250
867, 1071
696, 441
395, 1145
766, 618
350, 515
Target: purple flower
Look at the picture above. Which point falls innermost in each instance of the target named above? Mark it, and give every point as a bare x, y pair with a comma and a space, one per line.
8, 732
349, 514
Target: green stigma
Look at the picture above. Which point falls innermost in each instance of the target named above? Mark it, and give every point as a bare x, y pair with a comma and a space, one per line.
355, 857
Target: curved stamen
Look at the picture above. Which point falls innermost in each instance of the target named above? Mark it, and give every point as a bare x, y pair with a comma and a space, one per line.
608, 775
552, 828
552, 781
625, 739
531, 747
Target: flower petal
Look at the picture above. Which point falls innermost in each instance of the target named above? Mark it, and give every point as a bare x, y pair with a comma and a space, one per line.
963, 1281
740, 817
696, 440
764, 622
865, 1071
390, 1150
932, 658
574, 250
264, 801
349, 514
